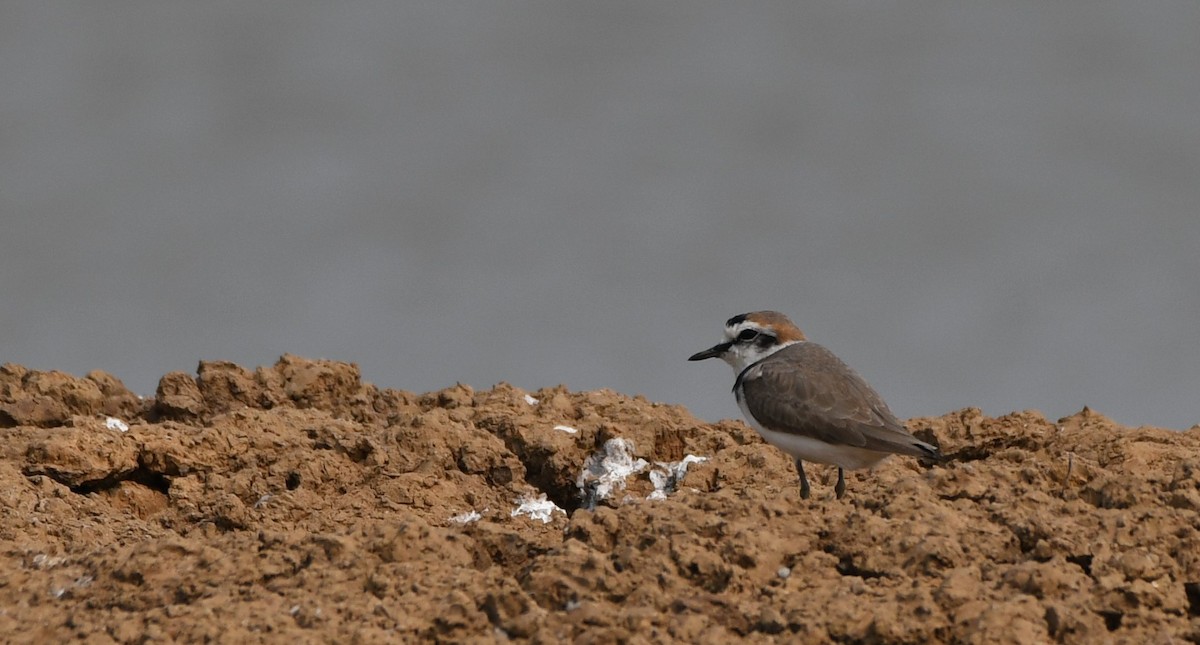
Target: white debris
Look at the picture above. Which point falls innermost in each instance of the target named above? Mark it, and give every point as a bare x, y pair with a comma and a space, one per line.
113, 423
607, 469
43, 561
530, 400
666, 476
466, 518
537, 508
566, 429
262, 501
784, 572
80, 582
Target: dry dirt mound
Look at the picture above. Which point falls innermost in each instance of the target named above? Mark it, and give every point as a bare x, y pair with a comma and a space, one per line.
296, 503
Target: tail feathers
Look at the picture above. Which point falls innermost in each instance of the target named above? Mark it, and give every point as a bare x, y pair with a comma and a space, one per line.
900, 443
929, 451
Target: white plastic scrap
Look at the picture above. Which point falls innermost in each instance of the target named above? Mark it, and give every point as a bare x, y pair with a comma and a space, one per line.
113, 423
666, 476
566, 429
530, 400
607, 469
466, 518
536, 507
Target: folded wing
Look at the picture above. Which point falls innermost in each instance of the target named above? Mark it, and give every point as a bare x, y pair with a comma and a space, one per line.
805, 390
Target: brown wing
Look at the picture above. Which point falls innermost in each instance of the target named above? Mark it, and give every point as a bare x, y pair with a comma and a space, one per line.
804, 389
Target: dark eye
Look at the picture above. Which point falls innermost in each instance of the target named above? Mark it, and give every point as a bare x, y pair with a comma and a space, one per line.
747, 335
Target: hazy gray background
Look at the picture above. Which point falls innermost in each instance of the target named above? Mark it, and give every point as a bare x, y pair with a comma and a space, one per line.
993, 206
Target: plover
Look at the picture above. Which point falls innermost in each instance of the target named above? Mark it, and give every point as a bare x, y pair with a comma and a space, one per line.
805, 401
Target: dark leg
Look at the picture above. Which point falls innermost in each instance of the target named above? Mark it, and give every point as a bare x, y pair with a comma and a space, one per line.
840, 489
805, 491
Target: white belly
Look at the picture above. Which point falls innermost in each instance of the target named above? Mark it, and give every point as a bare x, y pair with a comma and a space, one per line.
809, 449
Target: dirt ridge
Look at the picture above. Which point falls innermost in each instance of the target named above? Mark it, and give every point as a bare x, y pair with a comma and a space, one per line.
296, 501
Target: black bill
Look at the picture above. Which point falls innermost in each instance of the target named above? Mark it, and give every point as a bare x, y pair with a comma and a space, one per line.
711, 352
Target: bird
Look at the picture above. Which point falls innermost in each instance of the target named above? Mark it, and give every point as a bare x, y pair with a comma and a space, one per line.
802, 399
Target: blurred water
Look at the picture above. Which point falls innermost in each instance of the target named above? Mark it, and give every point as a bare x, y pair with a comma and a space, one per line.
988, 206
